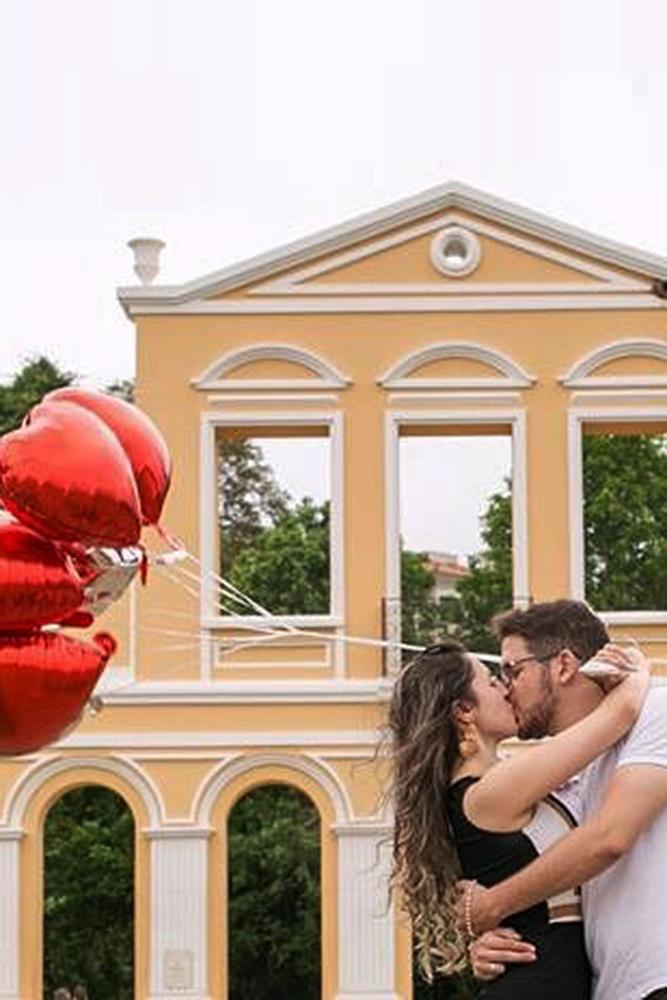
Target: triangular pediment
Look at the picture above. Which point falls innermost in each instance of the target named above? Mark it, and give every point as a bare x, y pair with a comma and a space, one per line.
411, 261
450, 248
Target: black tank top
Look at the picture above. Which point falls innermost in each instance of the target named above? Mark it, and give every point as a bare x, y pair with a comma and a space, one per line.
561, 971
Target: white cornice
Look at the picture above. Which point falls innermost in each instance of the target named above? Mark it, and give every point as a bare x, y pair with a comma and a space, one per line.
451, 195
249, 692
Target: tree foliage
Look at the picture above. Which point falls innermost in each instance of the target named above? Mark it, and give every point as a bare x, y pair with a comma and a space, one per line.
286, 568
36, 378
274, 896
625, 517
249, 498
88, 894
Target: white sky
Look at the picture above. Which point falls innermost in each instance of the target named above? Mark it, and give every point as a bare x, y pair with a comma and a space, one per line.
227, 128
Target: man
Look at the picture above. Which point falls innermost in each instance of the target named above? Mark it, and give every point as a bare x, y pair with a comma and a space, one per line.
619, 852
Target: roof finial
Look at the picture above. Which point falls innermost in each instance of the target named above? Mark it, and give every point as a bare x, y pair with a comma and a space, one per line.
146, 258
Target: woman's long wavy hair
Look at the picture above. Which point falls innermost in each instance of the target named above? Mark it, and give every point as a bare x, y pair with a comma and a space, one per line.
423, 748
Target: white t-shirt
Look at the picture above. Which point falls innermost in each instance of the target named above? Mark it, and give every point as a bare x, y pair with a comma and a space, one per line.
625, 908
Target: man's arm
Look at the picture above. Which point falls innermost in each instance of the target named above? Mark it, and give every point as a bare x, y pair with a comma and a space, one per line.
636, 795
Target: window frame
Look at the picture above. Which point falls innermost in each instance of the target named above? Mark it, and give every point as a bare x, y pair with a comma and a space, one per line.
516, 420
577, 417
210, 423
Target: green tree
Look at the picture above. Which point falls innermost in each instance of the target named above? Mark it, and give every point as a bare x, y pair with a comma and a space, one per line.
88, 894
249, 498
625, 516
274, 896
488, 588
286, 568
37, 377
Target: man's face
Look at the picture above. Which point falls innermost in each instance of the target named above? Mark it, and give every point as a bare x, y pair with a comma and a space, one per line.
531, 690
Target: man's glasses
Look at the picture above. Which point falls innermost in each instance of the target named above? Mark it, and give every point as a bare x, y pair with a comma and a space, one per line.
510, 669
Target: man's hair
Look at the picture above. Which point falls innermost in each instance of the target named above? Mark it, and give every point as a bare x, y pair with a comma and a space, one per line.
62, 993
554, 625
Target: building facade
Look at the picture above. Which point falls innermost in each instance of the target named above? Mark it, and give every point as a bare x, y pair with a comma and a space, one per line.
448, 313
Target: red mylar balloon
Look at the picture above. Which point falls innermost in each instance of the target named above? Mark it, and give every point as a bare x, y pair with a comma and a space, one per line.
38, 582
65, 474
143, 443
45, 682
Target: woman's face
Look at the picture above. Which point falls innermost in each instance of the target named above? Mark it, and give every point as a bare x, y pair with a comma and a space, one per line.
494, 716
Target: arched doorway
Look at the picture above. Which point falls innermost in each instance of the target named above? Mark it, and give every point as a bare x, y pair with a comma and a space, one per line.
89, 894
274, 915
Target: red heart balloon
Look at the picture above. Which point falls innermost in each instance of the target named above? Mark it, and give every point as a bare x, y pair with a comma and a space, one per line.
143, 443
65, 474
45, 682
38, 582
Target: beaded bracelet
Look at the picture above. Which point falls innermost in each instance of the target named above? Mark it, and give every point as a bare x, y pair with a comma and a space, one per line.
467, 910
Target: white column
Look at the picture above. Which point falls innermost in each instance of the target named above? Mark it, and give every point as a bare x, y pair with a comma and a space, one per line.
365, 919
10, 842
179, 903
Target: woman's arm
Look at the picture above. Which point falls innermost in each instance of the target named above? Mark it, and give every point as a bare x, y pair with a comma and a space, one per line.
504, 797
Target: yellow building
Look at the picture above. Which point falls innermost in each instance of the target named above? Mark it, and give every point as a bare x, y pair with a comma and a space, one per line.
449, 313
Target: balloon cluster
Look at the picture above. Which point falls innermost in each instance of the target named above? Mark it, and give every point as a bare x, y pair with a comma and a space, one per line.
78, 480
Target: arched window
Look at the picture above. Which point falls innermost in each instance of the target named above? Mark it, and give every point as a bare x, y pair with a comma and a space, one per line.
89, 894
274, 896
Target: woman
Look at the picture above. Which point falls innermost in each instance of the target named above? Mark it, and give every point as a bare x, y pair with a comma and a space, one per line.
459, 811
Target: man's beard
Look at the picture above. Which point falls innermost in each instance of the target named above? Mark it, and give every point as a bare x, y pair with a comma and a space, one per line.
536, 723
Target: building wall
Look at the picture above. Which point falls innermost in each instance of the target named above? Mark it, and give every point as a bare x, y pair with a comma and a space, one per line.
182, 737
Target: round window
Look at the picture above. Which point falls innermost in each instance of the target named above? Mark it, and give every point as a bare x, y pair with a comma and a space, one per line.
455, 251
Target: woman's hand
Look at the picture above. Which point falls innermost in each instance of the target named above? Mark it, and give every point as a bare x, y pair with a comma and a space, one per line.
494, 950
629, 676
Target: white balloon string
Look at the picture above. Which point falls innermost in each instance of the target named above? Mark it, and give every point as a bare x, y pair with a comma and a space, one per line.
272, 630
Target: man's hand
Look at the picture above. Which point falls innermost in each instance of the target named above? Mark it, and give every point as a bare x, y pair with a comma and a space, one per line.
491, 952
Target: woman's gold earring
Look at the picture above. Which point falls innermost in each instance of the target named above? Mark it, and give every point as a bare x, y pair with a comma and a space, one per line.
468, 745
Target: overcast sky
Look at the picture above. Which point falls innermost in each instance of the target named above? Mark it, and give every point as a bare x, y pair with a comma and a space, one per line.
227, 128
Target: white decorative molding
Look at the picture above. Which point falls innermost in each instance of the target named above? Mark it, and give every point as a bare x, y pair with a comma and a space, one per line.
10, 880
20, 795
267, 398
215, 377
186, 297
516, 420
467, 397
460, 264
314, 768
210, 422
577, 417
579, 376
365, 919
512, 376
619, 397
178, 919
543, 302
228, 692
183, 740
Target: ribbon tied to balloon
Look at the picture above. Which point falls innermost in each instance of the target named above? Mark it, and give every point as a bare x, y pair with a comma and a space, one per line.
78, 480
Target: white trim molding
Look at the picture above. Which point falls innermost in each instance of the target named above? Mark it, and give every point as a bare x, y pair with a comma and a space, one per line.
512, 375
44, 769
215, 377
445, 198
577, 417
325, 777
580, 374
210, 422
515, 419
